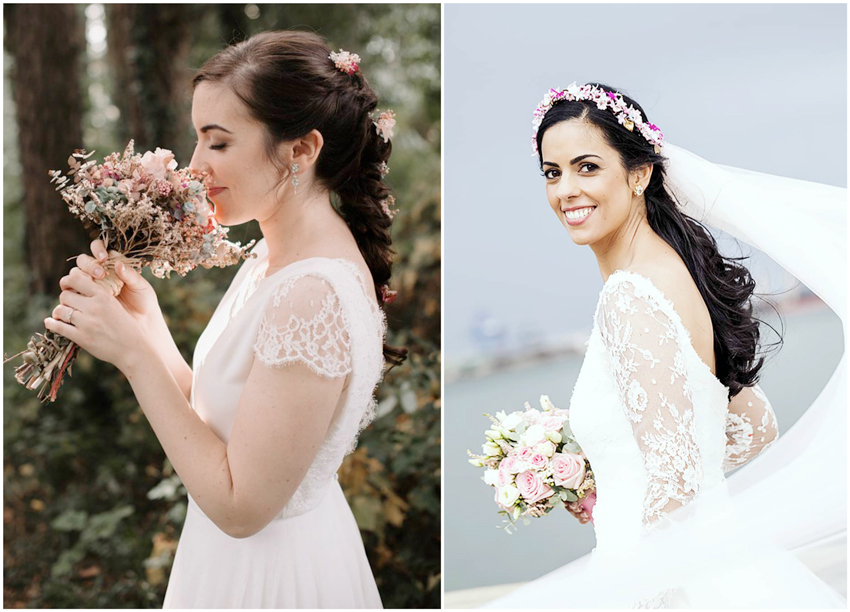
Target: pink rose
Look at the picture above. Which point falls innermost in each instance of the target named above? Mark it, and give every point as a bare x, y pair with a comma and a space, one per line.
587, 504
553, 423
525, 453
531, 487
538, 461
158, 164
510, 465
568, 470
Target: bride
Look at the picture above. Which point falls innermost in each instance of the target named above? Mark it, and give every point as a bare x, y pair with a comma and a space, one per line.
283, 376
666, 401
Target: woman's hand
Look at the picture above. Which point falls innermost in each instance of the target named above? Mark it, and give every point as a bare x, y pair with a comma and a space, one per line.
91, 316
137, 296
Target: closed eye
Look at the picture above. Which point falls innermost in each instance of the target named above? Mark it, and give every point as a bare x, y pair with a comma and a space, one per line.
218, 146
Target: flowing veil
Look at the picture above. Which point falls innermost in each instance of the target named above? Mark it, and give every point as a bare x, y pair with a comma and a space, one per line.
733, 546
803, 227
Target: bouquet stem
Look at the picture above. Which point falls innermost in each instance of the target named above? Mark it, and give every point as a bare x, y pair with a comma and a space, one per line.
49, 356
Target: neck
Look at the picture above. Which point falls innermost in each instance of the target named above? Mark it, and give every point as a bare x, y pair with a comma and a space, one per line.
297, 225
624, 247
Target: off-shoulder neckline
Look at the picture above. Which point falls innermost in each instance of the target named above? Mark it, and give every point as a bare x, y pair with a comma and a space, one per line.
618, 275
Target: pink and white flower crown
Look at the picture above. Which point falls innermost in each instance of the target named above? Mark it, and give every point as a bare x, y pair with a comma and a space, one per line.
628, 116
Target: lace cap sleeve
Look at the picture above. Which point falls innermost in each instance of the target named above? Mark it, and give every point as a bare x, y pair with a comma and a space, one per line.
641, 341
751, 427
303, 322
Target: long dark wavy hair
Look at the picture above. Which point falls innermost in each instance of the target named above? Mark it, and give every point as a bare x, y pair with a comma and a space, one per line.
726, 286
289, 84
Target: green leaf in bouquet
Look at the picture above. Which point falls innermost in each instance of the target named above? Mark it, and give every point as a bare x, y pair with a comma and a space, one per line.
570, 496
571, 446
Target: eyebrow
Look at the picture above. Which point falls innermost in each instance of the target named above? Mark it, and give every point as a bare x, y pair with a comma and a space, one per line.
575, 160
213, 126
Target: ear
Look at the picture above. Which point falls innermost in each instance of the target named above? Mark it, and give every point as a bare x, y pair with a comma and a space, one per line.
641, 176
305, 151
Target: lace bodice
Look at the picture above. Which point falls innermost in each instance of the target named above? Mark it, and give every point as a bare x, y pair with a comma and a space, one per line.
316, 311
652, 418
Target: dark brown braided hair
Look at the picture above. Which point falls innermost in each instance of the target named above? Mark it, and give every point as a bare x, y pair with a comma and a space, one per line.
289, 84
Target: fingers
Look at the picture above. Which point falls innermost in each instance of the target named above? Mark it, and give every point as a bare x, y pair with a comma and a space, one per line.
98, 249
72, 299
90, 266
63, 329
66, 314
79, 281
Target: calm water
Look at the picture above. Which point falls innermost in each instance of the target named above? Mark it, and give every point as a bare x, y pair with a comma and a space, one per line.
476, 551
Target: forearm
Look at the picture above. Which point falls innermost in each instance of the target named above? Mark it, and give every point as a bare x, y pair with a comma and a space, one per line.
171, 356
198, 455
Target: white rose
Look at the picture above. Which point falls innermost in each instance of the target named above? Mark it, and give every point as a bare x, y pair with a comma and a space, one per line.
545, 448
508, 495
546, 403
491, 477
493, 435
512, 420
554, 436
533, 435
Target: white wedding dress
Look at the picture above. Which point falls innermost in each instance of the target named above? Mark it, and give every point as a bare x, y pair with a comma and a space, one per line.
660, 434
318, 312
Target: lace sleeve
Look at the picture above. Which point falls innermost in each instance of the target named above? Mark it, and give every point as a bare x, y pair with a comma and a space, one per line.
648, 367
751, 427
304, 322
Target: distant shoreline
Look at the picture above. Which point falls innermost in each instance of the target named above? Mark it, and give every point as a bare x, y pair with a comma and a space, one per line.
480, 366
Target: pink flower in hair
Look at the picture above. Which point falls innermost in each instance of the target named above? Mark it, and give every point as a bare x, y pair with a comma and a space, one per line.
349, 63
385, 124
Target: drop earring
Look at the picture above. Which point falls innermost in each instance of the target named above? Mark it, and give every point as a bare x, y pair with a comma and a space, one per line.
294, 169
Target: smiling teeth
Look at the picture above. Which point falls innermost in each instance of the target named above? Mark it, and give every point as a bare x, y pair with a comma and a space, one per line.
578, 214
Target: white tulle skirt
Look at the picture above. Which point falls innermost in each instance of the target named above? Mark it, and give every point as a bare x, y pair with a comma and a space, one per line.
313, 560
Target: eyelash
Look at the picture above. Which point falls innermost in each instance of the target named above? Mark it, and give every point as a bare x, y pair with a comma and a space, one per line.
215, 147
546, 172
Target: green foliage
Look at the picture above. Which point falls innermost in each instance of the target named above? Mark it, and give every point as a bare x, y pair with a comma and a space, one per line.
92, 508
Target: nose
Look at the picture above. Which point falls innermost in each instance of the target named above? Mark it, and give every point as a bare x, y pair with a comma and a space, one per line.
567, 189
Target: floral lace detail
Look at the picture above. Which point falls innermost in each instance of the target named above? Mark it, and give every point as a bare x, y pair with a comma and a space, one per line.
649, 370
662, 600
305, 323
744, 442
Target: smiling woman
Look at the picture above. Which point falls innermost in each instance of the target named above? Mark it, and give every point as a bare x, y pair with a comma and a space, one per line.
666, 401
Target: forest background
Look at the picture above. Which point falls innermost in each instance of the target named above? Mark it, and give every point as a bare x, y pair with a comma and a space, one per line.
92, 507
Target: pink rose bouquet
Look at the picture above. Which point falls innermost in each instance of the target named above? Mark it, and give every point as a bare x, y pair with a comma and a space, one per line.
535, 464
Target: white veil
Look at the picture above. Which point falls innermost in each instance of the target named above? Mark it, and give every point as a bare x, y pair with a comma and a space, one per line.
803, 227
733, 546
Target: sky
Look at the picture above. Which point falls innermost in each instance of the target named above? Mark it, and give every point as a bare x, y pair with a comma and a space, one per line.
761, 87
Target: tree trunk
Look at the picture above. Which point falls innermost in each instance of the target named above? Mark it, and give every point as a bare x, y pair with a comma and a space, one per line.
47, 43
148, 48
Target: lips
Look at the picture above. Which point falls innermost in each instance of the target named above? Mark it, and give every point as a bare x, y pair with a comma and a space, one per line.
215, 190
577, 216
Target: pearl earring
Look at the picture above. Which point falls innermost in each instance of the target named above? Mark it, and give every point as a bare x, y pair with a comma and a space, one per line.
638, 190
294, 169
